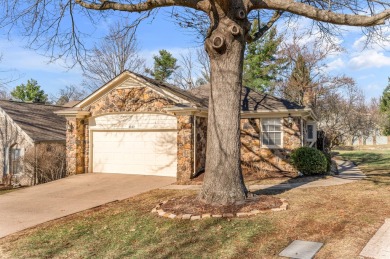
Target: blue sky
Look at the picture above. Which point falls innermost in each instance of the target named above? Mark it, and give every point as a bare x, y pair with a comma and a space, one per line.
369, 67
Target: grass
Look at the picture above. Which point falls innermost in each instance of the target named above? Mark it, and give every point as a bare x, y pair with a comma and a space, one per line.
343, 217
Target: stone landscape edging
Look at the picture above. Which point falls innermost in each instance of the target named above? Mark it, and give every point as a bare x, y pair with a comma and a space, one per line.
161, 213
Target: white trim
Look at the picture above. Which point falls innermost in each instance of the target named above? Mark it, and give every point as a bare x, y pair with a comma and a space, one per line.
120, 79
91, 131
314, 124
281, 135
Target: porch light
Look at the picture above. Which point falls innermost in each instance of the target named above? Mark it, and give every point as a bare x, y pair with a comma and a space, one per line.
69, 127
289, 119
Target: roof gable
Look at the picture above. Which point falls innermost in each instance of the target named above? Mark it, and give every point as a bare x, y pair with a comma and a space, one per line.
129, 79
38, 121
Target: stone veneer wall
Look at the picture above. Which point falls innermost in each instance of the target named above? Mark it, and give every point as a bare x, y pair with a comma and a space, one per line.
138, 99
185, 148
264, 162
257, 161
75, 146
201, 143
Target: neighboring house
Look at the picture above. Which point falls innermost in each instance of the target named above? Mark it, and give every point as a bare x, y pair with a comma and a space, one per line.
26, 126
136, 125
374, 139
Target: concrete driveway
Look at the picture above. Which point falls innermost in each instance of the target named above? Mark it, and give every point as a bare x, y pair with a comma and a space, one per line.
29, 207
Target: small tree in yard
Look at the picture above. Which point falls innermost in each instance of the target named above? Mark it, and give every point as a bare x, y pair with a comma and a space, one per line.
45, 163
225, 42
31, 92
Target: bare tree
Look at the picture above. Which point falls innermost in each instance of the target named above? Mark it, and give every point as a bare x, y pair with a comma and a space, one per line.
69, 93
45, 162
225, 42
306, 79
193, 70
344, 115
117, 52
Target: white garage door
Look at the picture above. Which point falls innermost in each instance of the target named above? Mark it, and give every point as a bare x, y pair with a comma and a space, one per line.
135, 152
138, 143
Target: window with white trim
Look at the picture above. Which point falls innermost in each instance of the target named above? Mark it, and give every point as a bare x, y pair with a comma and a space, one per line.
311, 131
271, 132
15, 160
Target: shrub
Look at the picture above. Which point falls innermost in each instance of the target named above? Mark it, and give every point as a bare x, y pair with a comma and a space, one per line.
309, 161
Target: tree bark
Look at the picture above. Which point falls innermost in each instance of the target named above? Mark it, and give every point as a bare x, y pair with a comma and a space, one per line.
223, 183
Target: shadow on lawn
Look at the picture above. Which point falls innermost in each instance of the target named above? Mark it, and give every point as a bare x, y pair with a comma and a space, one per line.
286, 186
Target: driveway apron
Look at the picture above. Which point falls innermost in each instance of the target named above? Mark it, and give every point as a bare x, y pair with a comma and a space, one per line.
29, 207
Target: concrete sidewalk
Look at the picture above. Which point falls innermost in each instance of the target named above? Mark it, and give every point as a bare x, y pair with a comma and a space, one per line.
348, 173
31, 206
378, 246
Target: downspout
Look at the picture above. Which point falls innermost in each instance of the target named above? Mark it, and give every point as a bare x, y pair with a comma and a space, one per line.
194, 169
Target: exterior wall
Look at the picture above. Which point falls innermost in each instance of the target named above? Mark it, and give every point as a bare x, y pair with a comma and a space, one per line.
201, 144
138, 99
185, 148
75, 146
265, 162
256, 161
11, 135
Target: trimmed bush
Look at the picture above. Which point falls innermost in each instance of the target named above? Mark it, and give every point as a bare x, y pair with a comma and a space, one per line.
309, 161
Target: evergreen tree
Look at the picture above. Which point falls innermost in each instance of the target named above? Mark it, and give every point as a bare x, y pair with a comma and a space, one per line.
261, 64
385, 109
164, 66
31, 92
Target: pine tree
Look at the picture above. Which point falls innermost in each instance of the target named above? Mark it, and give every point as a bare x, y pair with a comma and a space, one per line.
261, 64
31, 92
164, 66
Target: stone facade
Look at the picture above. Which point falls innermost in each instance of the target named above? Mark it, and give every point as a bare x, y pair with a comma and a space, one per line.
191, 150
263, 162
201, 142
75, 146
140, 99
185, 147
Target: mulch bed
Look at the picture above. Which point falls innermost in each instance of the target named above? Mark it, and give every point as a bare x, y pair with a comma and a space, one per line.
192, 205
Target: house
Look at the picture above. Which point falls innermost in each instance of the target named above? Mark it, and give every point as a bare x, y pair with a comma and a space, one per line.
26, 127
136, 125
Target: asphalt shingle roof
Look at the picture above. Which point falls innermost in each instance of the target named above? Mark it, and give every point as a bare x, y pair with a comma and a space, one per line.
251, 100
38, 121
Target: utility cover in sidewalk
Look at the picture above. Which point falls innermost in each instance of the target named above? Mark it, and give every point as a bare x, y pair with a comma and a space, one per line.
301, 249
379, 245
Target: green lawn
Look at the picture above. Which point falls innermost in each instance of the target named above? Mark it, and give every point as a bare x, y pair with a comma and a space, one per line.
374, 163
343, 217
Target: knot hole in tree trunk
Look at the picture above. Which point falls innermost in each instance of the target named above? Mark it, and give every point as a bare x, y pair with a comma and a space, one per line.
241, 14
218, 43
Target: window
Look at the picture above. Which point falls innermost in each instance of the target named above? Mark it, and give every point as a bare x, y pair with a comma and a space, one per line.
311, 131
15, 160
271, 135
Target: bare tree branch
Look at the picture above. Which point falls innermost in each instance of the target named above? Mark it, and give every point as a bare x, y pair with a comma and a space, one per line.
140, 7
306, 10
266, 27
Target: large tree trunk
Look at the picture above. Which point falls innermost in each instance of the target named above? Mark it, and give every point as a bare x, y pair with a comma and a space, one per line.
223, 182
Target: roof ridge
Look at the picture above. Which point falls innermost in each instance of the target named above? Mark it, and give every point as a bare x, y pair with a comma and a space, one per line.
34, 103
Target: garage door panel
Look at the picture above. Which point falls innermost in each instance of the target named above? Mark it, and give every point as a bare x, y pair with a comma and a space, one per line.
133, 152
